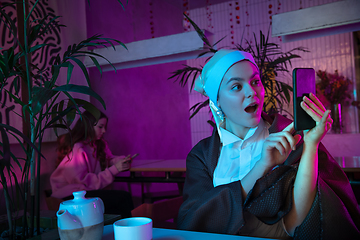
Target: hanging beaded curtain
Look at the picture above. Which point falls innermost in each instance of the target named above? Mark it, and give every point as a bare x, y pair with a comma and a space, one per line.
234, 14
151, 19
208, 15
186, 22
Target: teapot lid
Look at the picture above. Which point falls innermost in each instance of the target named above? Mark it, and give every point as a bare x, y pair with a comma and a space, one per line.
79, 198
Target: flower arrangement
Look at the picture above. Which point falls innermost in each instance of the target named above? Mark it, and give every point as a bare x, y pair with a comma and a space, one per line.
334, 88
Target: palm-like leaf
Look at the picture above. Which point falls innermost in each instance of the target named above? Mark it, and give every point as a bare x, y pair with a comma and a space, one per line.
183, 75
270, 60
122, 5
43, 106
197, 107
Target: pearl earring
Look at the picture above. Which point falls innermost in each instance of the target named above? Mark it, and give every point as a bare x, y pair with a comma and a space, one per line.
220, 114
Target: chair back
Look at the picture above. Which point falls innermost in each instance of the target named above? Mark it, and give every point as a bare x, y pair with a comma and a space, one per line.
160, 212
51, 202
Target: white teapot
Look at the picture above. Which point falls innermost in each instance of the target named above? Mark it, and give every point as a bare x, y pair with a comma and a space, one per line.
81, 218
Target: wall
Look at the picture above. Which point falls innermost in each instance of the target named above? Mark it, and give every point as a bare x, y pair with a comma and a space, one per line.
147, 113
240, 20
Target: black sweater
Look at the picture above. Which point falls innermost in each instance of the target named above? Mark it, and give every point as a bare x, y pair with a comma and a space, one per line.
333, 215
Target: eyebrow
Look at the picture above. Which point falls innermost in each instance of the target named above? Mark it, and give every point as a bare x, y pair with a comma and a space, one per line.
241, 79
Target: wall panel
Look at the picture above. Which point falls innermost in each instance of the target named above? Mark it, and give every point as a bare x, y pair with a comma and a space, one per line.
329, 53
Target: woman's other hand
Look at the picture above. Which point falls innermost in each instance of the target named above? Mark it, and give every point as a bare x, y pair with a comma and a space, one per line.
122, 163
278, 146
276, 149
321, 116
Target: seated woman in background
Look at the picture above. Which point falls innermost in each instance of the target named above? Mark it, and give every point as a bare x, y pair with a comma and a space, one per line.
85, 162
252, 176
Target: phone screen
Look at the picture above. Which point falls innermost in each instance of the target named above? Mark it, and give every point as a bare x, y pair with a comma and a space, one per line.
303, 83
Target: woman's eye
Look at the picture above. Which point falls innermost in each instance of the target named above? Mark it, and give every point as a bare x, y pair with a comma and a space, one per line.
236, 87
256, 82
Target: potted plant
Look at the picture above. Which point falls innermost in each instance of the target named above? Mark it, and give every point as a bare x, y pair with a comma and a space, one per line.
335, 91
42, 108
270, 60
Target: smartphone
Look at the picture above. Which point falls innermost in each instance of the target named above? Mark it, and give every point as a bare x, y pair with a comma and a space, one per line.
129, 159
303, 84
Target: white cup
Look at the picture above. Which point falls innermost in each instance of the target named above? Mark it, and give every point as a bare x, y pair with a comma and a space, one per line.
134, 228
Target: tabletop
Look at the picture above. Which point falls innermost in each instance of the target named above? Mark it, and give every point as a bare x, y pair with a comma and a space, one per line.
170, 165
136, 163
349, 164
169, 234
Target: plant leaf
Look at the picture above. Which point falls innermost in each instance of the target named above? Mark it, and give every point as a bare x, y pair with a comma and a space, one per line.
5, 161
80, 89
26, 139
40, 97
199, 31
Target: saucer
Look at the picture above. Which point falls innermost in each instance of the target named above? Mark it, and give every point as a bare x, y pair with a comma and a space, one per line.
108, 233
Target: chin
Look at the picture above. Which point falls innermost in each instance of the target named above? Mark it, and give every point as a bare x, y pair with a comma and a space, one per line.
254, 121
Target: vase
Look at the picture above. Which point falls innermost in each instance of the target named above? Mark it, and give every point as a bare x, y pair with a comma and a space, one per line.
337, 118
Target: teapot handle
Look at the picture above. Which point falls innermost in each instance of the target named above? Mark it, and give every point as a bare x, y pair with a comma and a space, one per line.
102, 204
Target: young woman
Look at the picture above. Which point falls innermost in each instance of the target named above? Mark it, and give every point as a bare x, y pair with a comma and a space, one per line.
85, 162
253, 176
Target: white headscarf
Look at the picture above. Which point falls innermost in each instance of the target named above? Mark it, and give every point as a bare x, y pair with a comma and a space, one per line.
208, 83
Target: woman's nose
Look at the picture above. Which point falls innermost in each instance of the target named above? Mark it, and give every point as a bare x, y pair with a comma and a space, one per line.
249, 91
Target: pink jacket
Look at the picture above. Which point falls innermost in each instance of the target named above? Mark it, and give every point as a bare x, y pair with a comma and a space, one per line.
81, 171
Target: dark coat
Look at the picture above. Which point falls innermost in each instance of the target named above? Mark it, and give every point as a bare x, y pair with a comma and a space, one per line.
333, 215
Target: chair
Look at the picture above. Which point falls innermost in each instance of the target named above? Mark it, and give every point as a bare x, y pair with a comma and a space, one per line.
163, 213
156, 196
51, 202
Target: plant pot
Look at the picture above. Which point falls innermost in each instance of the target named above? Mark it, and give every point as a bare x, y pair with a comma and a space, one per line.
336, 115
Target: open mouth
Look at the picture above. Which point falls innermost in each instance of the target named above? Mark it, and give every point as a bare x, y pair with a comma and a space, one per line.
251, 108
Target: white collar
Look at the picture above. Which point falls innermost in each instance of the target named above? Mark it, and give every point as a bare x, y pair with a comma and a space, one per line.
229, 137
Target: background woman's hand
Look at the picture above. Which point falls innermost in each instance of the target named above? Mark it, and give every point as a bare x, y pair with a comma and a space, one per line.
278, 146
321, 116
122, 163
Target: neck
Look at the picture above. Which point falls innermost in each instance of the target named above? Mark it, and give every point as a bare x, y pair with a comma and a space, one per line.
239, 131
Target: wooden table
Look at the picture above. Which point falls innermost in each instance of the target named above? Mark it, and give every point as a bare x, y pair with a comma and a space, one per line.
165, 166
351, 166
171, 165
171, 169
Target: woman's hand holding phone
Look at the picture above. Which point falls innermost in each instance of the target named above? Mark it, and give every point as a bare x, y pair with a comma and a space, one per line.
278, 146
305, 185
315, 109
308, 110
124, 164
